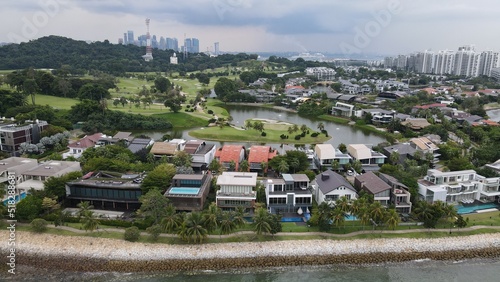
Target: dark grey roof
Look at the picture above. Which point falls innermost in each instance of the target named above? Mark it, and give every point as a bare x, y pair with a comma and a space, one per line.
402, 149
372, 183
329, 180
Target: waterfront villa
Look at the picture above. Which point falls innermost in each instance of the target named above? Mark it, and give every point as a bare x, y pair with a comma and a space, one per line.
106, 190
189, 192
400, 197
326, 154
458, 186
374, 186
289, 194
368, 158
230, 153
258, 156
34, 178
329, 186
15, 167
201, 152
237, 189
77, 148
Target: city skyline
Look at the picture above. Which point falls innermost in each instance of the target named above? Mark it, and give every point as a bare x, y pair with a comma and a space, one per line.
385, 27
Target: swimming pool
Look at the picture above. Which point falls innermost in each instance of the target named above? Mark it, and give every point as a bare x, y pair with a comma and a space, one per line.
350, 217
184, 191
292, 219
471, 209
23, 195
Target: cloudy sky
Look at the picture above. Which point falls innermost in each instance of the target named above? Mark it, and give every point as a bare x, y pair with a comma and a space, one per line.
337, 26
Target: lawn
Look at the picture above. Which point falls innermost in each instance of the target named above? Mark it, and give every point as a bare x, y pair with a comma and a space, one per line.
183, 120
237, 135
487, 218
55, 102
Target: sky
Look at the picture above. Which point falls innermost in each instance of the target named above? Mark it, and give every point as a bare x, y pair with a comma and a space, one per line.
383, 27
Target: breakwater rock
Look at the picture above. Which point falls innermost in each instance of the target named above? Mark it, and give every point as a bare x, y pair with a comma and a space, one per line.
100, 254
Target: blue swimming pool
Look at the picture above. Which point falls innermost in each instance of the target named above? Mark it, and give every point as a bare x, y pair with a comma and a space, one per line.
350, 217
184, 191
22, 196
292, 219
471, 209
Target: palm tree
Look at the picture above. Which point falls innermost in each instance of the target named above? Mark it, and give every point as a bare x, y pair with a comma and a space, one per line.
194, 228
394, 157
290, 130
90, 223
338, 216
260, 221
239, 216
303, 128
344, 204
321, 126
392, 218
335, 165
450, 212
364, 215
424, 211
227, 224
171, 221
283, 166
211, 217
244, 166
248, 124
377, 211
84, 208
295, 164
357, 205
232, 165
295, 128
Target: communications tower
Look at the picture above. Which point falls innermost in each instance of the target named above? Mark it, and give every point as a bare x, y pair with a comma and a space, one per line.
149, 51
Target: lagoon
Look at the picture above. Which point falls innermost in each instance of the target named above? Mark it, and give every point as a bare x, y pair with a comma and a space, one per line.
340, 133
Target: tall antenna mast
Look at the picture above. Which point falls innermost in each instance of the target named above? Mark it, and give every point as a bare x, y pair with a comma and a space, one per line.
149, 51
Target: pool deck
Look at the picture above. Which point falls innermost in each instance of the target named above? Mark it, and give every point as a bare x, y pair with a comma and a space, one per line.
487, 210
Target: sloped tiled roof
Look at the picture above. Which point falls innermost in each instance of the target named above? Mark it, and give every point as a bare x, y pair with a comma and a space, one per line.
329, 180
259, 154
229, 153
372, 183
86, 142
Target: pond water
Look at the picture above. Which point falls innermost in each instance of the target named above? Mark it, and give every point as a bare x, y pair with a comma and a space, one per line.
340, 133
494, 115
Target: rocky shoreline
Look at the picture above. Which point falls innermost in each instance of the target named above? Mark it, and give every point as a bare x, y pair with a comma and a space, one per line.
99, 254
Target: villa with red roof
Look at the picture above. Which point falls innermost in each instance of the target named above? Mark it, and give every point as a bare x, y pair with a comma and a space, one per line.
228, 153
77, 148
428, 106
259, 155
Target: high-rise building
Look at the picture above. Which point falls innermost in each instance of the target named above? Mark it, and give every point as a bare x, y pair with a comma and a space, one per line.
489, 60
216, 49
172, 44
130, 37
125, 38
466, 61
162, 45
192, 45
444, 62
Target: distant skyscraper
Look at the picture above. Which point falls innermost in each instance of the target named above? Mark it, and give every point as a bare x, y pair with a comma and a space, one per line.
192, 45
173, 59
130, 37
125, 38
196, 45
120, 41
149, 52
162, 45
172, 44
489, 60
216, 48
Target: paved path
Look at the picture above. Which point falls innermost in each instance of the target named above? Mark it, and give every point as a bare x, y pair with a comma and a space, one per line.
304, 234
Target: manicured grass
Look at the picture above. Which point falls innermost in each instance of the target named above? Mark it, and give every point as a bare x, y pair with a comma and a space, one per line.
273, 136
487, 219
183, 120
55, 102
338, 120
217, 107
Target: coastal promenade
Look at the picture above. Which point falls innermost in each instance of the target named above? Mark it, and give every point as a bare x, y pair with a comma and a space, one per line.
101, 254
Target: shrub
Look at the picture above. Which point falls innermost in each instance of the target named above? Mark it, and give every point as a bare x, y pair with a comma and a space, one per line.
210, 112
132, 234
263, 133
297, 137
212, 120
303, 134
154, 232
188, 106
314, 134
283, 136
39, 225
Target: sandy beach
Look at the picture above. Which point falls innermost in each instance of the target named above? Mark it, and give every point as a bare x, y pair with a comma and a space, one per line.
111, 254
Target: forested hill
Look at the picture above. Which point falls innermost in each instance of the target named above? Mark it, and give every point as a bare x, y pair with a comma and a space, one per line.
55, 51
